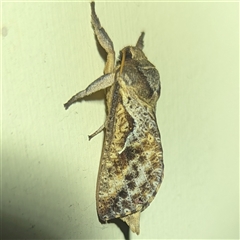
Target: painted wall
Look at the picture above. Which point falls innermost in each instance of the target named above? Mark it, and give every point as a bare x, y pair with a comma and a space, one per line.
49, 168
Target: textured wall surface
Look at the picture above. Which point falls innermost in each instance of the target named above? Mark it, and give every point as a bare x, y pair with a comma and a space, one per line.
49, 168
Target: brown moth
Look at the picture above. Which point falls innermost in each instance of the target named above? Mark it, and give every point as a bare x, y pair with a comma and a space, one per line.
131, 167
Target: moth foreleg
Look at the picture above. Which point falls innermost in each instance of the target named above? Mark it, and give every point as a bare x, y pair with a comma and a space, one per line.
104, 41
101, 83
140, 43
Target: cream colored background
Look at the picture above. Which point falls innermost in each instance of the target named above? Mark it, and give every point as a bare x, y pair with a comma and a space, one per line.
49, 168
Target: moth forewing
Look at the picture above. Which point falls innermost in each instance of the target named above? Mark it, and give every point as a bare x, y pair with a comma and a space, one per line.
131, 166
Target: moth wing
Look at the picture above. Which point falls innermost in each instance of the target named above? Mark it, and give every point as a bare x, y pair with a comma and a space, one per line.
131, 167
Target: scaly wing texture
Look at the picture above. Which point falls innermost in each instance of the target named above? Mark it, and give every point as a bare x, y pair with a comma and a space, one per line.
131, 168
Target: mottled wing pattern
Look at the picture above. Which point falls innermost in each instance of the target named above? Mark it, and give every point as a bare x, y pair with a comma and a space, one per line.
131, 167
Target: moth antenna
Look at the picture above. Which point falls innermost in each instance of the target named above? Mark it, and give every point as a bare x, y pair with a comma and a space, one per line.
123, 61
140, 41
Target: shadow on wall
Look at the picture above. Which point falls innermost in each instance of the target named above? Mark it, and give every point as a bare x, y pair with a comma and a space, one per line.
13, 227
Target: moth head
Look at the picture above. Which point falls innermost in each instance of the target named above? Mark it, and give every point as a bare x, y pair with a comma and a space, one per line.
132, 53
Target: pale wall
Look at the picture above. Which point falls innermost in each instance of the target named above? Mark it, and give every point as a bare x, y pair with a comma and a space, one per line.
49, 168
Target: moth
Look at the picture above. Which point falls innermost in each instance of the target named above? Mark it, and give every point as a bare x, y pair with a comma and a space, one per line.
131, 166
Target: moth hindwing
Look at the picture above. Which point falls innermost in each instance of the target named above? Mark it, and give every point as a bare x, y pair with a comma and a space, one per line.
131, 166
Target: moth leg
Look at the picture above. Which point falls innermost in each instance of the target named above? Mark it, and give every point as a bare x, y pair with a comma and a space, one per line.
133, 221
104, 41
96, 132
101, 83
